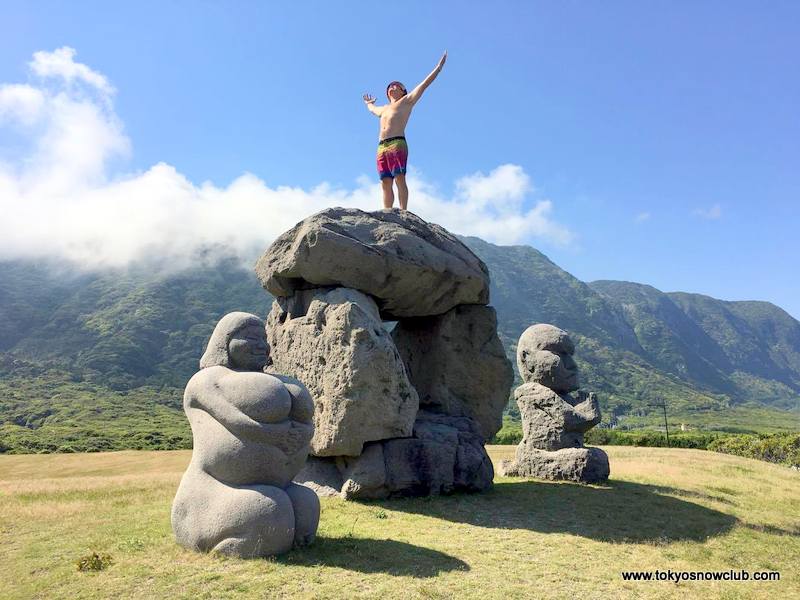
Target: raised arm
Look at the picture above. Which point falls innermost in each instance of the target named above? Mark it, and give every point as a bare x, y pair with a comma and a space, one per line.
370, 102
416, 93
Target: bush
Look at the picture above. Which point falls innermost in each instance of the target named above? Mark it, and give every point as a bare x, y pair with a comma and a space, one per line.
777, 448
781, 448
653, 439
94, 562
509, 435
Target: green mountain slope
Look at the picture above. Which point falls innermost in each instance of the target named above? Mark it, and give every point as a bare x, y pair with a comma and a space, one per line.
528, 288
123, 328
746, 351
99, 361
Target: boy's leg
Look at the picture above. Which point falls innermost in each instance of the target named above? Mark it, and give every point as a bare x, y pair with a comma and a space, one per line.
388, 193
402, 190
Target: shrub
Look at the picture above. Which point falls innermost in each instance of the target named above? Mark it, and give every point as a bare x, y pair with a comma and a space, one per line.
610, 437
783, 448
94, 562
509, 435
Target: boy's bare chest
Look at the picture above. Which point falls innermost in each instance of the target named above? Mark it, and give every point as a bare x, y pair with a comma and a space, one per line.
400, 111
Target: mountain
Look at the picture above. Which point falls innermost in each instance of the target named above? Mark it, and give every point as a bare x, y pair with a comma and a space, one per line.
99, 360
615, 346
745, 350
126, 328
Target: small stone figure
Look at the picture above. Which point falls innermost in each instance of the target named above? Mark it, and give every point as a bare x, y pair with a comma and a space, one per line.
553, 421
251, 434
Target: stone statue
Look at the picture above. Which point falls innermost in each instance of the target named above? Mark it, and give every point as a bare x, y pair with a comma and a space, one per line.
402, 409
553, 420
251, 434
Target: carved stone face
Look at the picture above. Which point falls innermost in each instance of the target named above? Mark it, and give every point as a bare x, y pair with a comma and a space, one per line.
248, 349
556, 370
544, 355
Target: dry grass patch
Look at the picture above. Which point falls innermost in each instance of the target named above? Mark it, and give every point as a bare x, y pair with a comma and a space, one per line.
663, 509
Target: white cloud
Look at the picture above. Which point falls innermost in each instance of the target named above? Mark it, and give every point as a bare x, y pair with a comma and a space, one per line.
642, 217
60, 201
20, 103
715, 212
60, 63
72, 129
504, 188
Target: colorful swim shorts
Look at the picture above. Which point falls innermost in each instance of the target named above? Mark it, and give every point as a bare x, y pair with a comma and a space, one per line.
392, 156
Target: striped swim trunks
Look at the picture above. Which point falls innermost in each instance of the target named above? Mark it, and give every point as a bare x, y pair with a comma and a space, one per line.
392, 156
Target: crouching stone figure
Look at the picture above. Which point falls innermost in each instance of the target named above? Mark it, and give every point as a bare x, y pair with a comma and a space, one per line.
553, 420
251, 436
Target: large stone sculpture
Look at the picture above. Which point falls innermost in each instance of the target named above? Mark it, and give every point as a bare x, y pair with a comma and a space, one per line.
405, 413
554, 421
251, 436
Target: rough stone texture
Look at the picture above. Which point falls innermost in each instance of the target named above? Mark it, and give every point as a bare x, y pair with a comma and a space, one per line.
251, 434
457, 364
412, 268
444, 455
333, 341
364, 476
544, 355
320, 475
587, 465
553, 421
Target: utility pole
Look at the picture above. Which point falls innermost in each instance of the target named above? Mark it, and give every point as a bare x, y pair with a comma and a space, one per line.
663, 406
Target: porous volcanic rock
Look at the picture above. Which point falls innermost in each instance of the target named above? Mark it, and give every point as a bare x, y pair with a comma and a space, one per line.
586, 465
554, 421
337, 276
410, 267
457, 364
544, 355
334, 342
445, 454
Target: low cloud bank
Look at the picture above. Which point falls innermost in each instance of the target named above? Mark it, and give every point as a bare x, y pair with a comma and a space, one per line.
58, 197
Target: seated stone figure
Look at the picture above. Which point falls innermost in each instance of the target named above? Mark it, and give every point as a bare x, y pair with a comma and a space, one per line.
251, 436
554, 421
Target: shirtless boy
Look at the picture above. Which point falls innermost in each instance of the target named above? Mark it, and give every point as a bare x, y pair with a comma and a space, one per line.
392, 147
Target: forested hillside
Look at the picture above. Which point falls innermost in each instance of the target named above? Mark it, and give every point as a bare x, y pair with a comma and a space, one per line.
99, 360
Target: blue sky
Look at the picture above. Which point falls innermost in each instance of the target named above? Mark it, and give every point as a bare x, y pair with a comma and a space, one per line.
654, 142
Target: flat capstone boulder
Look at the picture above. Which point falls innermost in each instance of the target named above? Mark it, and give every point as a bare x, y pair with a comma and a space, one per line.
410, 267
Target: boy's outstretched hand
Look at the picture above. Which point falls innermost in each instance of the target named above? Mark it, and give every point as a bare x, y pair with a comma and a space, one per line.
369, 99
442, 61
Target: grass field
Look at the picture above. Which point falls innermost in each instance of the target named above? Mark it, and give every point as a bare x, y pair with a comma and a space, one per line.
684, 510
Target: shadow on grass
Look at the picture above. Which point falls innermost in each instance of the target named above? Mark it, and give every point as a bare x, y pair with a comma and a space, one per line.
374, 556
619, 511
773, 530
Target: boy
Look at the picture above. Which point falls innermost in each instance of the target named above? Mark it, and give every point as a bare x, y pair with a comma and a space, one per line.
392, 147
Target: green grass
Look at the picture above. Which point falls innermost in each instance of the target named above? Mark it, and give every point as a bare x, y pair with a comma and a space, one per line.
663, 509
